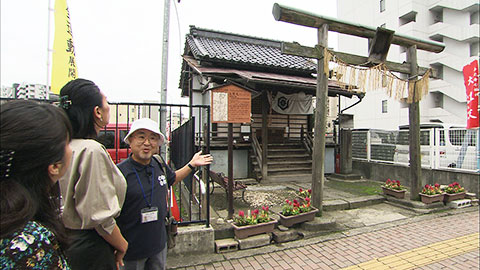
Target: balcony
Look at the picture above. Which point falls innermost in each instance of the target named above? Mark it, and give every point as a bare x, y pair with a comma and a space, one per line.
447, 59
448, 89
467, 33
409, 8
462, 5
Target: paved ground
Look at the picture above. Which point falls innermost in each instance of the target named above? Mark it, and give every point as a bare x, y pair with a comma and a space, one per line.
446, 240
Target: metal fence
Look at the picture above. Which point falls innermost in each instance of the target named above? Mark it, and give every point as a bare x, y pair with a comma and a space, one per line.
440, 148
192, 194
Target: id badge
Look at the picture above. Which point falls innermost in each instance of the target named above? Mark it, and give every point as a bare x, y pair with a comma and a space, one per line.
149, 214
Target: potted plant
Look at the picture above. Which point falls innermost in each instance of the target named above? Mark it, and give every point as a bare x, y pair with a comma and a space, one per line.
431, 194
454, 192
394, 188
294, 212
253, 223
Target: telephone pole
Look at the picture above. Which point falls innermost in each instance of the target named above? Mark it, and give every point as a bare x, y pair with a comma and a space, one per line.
163, 90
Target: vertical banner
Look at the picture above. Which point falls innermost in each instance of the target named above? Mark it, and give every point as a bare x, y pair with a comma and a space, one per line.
64, 68
470, 76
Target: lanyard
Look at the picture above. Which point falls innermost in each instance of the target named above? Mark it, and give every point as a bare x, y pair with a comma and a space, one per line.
143, 191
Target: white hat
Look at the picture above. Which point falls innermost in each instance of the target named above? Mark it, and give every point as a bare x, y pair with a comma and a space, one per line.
145, 123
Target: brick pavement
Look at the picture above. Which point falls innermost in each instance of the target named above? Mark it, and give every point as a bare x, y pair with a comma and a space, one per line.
443, 242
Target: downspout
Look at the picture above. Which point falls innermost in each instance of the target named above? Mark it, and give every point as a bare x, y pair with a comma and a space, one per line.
360, 97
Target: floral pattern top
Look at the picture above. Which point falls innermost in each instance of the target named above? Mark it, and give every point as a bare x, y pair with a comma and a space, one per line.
33, 247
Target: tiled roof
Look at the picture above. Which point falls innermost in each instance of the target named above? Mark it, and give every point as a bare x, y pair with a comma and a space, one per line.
230, 48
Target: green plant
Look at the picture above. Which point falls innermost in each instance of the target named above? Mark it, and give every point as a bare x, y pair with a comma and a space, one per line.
393, 184
305, 193
292, 208
454, 188
431, 190
252, 217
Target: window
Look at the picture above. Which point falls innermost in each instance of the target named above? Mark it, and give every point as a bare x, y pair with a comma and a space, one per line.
475, 18
107, 138
474, 48
407, 18
382, 5
439, 69
384, 106
123, 144
437, 99
437, 16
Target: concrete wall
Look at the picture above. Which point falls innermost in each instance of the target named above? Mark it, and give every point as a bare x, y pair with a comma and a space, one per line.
193, 239
381, 172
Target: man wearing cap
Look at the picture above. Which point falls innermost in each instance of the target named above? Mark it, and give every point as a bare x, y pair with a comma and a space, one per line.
142, 220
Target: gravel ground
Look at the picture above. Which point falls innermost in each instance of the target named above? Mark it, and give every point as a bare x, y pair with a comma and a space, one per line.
253, 198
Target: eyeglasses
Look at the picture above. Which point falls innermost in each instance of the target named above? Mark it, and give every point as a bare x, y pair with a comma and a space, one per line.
142, 139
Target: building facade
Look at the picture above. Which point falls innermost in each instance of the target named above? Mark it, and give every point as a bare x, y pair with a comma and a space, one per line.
454, 23
25, 91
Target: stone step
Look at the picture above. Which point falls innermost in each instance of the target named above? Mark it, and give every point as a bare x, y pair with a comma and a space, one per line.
285, 156
289, 177
307, 169
285, 163
290, 169
282, 145
286, 151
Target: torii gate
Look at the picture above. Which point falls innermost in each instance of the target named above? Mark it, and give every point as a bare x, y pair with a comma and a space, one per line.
325, 24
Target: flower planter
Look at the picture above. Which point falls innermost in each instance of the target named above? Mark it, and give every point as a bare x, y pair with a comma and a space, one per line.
242, 232
289, 221
454, 196
427, 199
400, 194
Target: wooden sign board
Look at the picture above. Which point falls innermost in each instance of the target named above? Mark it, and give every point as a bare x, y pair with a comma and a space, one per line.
231, 104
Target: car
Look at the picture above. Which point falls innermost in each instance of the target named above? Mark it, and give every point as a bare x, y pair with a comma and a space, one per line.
453, 146
112, 138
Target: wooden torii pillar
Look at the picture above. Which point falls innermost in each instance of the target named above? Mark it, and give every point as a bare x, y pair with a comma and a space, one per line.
323, 25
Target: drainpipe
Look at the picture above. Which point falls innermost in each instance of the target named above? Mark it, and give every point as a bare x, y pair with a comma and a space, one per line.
360, 97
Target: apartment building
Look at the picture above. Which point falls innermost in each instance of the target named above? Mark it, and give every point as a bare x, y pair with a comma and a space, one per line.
25, 91
452, 22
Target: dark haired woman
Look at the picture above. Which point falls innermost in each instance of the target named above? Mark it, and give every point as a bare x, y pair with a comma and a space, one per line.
93, 189
34, 154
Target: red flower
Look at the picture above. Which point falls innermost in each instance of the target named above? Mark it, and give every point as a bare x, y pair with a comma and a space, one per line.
451, 185
241, 213
307, 199
295, 201
309, 191
301, 190
437, 185
255, 211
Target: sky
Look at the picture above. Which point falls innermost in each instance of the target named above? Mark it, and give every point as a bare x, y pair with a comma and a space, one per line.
118, 43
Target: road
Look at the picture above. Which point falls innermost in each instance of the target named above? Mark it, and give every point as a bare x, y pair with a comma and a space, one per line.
448, 241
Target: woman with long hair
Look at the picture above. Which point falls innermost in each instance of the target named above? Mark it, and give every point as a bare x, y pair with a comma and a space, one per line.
34, 154
93, 189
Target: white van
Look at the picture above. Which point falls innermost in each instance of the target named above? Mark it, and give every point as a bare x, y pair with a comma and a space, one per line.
451, 146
